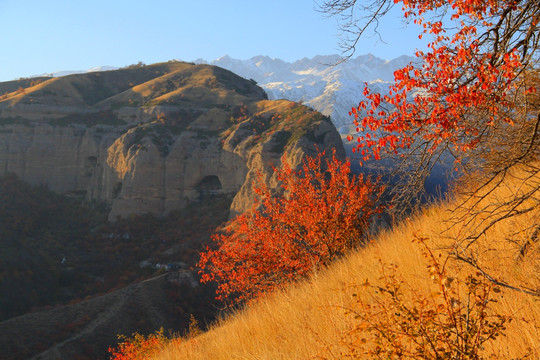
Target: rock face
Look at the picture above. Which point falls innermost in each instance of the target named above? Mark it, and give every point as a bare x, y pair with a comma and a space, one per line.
153, 138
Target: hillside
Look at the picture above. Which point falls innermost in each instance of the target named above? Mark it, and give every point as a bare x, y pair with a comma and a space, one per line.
322, 82
312, 320
85, 329
109, 179
71, 281
151, 139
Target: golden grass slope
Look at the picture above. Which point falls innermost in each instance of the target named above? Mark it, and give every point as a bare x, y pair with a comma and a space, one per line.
309, 320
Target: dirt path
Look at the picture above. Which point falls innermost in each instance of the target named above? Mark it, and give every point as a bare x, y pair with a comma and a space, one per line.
122, 296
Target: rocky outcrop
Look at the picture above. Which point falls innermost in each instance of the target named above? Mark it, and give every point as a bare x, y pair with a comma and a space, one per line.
155, 138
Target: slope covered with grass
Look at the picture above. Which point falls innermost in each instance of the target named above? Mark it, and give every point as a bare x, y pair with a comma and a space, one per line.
313, 319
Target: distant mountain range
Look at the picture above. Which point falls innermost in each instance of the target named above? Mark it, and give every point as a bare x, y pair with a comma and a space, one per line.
322, 82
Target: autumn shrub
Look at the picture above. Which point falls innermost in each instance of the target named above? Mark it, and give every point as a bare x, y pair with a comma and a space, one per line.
395, 321
322, 212
138, 347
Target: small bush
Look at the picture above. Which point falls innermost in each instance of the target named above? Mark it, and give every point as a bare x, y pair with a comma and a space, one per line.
398, 322
138, 347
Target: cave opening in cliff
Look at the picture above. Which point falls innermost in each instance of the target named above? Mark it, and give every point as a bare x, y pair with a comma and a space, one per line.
209, 186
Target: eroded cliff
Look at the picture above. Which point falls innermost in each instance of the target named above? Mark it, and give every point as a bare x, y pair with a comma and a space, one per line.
153, 138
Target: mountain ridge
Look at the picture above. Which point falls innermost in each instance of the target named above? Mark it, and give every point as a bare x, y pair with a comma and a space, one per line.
327, 83
324, 82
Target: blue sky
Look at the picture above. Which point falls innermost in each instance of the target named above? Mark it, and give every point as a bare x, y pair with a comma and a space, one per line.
47, 36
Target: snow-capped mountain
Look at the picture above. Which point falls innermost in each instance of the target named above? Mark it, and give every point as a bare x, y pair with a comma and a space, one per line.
322, 82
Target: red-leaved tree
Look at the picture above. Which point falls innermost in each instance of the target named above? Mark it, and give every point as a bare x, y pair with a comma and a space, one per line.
469, 80
323, 211
472, 96
474, 86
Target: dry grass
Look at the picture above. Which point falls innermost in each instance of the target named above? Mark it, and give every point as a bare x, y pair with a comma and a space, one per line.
309, 320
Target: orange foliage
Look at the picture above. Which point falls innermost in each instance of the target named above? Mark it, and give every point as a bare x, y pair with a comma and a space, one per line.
467, 81
138, 347
321, 215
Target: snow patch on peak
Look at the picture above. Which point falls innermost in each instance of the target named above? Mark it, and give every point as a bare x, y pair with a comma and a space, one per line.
324, 82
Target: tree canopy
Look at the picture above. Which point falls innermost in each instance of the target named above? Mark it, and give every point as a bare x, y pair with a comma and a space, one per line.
472, 96
321, 212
